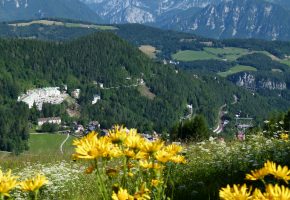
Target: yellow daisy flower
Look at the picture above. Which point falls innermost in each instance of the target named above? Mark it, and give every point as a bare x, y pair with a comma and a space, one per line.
117, 135
122, 195
31, 185
178, 159
152, 147
7, 183
163, 156
173, 149
277, 192
257, 174
236, 192
278, 171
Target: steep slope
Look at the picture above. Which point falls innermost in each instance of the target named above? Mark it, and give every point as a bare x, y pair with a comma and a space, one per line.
104, 58
138, 11
33, 9
237, 19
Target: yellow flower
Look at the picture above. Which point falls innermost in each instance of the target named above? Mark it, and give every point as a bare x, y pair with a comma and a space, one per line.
122, 195
141, 155
257, 174
152, 147
117, 135
163, 156
258, 195
173, 149
236, 192
149, 165
134, 141
284, 136
278, 171
129, 153
178, 159
277, 192
31, 185
155, 182
142, 194
86, 147
7, 183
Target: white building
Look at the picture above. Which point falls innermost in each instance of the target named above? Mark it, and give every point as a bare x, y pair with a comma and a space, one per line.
39, 96
96, 99
50, 120
76, 93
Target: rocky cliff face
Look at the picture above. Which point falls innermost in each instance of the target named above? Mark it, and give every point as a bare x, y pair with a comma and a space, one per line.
140, 11
265, 19
249, 81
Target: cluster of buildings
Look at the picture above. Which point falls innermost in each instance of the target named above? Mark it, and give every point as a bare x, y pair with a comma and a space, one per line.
51, 95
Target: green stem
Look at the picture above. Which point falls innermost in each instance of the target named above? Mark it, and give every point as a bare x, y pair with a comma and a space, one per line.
36, 195
2, 197
102, 185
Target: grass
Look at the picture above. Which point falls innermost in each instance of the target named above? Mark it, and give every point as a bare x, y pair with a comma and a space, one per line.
144, 91
71, 25
236, 69
189, 55
47, 144
229, 53
286, 62
149, 50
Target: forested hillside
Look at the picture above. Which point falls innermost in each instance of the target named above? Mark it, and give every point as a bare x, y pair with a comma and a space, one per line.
104, 58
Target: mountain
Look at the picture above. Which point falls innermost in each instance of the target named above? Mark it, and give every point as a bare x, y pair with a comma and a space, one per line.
138, 11
34, 9
238, 19
210, 18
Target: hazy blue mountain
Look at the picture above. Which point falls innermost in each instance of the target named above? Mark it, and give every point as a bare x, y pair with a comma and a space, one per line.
140, 11
236, 19
31, 9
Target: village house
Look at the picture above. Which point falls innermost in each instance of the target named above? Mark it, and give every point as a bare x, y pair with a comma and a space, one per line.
50, 120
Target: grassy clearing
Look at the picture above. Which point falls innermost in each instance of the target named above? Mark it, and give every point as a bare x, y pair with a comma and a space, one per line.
144, 91
189, 55
229, 53
48, 144
286, 62
71, 25
149, 50
236, 69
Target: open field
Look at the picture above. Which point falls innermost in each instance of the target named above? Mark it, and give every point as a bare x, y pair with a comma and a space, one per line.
189, 55
236, 69
48, 144
57, 23
149, 50
229, 53
226, 53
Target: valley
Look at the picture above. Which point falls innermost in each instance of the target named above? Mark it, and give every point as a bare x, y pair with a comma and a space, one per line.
156, 99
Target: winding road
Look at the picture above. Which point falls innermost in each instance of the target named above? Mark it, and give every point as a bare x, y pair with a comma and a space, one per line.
61, 146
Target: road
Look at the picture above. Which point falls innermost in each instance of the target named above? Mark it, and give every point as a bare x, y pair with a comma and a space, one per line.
61, 146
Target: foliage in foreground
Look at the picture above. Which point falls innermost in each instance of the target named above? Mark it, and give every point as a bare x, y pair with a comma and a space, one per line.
271, 192
215, 163
128, 166
211, 165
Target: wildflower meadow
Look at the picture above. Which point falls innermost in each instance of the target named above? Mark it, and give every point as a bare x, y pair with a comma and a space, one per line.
124, 165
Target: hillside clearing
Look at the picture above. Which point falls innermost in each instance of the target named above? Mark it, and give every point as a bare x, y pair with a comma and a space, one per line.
236, 69
189, 55
70, 25
149, 50
144, 91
